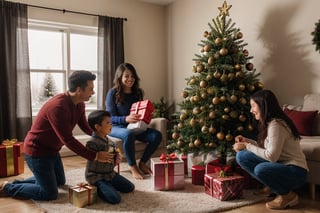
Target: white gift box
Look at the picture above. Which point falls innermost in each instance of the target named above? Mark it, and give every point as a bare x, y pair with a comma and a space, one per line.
138, 127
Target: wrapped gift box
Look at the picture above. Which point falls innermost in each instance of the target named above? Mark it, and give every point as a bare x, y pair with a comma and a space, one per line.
143, 108
82, 195
11, 158
138, 127
198, 174
223, 188
168, 174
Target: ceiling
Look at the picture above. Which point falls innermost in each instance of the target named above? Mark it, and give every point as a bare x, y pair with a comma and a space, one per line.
159, 2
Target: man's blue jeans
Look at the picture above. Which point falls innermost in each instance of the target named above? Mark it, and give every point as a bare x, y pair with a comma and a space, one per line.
48, 174
280, 178
151, 136
109, 190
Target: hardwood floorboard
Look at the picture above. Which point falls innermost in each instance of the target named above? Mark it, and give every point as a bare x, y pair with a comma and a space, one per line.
9, 205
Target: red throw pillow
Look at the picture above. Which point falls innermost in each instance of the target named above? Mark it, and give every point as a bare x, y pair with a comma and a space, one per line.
303, 120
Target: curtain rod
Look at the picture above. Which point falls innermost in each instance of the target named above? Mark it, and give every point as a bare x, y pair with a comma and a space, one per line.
65, 11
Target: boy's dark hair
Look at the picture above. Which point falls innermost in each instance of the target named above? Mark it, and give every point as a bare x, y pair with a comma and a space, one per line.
96, 117
79, 79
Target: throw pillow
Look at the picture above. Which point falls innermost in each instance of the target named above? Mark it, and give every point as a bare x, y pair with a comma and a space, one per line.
303, 120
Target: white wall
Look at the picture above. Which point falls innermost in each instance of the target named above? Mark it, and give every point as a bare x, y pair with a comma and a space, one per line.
145, 30
277, 33
161, 41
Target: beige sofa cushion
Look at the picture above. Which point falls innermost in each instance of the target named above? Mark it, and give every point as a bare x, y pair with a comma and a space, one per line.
312, 102
311, 147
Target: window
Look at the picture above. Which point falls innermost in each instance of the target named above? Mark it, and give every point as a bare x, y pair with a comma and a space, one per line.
56, 50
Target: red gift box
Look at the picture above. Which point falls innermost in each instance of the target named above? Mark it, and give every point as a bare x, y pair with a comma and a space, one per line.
223, 188
167, 174
198, 174
143, 108
11, 158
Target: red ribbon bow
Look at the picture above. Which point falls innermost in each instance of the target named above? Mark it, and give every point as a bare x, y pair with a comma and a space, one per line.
166, 158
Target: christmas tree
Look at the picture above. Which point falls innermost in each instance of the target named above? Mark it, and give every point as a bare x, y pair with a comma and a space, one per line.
49, 87
215, 106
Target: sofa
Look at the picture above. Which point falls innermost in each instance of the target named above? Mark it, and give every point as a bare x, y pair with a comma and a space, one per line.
157, 123
306, 117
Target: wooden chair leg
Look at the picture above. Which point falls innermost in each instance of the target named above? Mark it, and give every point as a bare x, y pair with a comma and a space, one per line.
312, 191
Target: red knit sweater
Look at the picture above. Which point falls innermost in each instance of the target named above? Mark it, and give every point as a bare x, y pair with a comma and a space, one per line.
53, 127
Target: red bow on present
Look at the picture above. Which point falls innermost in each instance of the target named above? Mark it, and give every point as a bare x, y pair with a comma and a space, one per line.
225, 171
166, 158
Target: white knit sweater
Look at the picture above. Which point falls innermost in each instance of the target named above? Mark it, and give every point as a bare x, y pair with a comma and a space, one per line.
280, 146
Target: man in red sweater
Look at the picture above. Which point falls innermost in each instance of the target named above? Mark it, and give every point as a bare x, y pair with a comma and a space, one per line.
51, 130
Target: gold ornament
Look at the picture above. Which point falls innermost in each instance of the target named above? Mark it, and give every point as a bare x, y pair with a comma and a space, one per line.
212, 114
175, 135
210, 90
216, 100
211, 60
242, 118
205, 34
212, 130
197, 142
203, 84
218, 41
249, 66
207, 48
237, 67
223, 51
220, 135
224, 10
180, 143
242, 87
196, 111
239, 35
184, 94
204, 129
229, 137
223, 98
193, 122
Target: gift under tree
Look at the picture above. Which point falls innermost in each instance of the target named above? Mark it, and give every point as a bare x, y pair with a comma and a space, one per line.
215, 106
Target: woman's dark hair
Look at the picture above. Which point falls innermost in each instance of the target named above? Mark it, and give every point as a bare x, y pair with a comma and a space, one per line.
96, 117
270, 109
119, 95
79, 79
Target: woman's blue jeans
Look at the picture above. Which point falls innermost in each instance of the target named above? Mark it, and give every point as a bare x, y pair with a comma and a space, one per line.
151, 136
48, 174
109, 190
280, 178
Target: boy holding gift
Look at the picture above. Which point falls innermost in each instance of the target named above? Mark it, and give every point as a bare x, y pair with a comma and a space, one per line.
102, 175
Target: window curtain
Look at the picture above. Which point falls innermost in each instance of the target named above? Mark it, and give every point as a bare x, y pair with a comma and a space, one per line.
15, 95
110, 54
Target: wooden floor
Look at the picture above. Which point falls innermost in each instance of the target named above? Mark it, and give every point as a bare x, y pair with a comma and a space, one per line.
9, 205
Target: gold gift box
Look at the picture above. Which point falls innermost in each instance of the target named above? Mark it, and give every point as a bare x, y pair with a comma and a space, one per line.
82, 195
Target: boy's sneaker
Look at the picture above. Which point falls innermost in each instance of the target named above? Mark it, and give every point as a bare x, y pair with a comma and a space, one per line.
283, 201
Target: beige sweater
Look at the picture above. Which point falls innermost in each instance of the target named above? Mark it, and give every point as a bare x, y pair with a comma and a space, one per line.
280, 146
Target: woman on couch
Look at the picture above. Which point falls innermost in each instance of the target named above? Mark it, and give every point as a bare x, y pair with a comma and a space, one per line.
275, 159
124, 93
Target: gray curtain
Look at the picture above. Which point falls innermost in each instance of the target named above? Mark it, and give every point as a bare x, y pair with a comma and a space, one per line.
110, 53
15, 95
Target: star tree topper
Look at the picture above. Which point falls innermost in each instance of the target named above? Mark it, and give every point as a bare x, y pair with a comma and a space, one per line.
224, 10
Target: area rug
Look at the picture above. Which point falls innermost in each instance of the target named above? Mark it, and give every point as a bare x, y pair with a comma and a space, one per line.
145, 199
